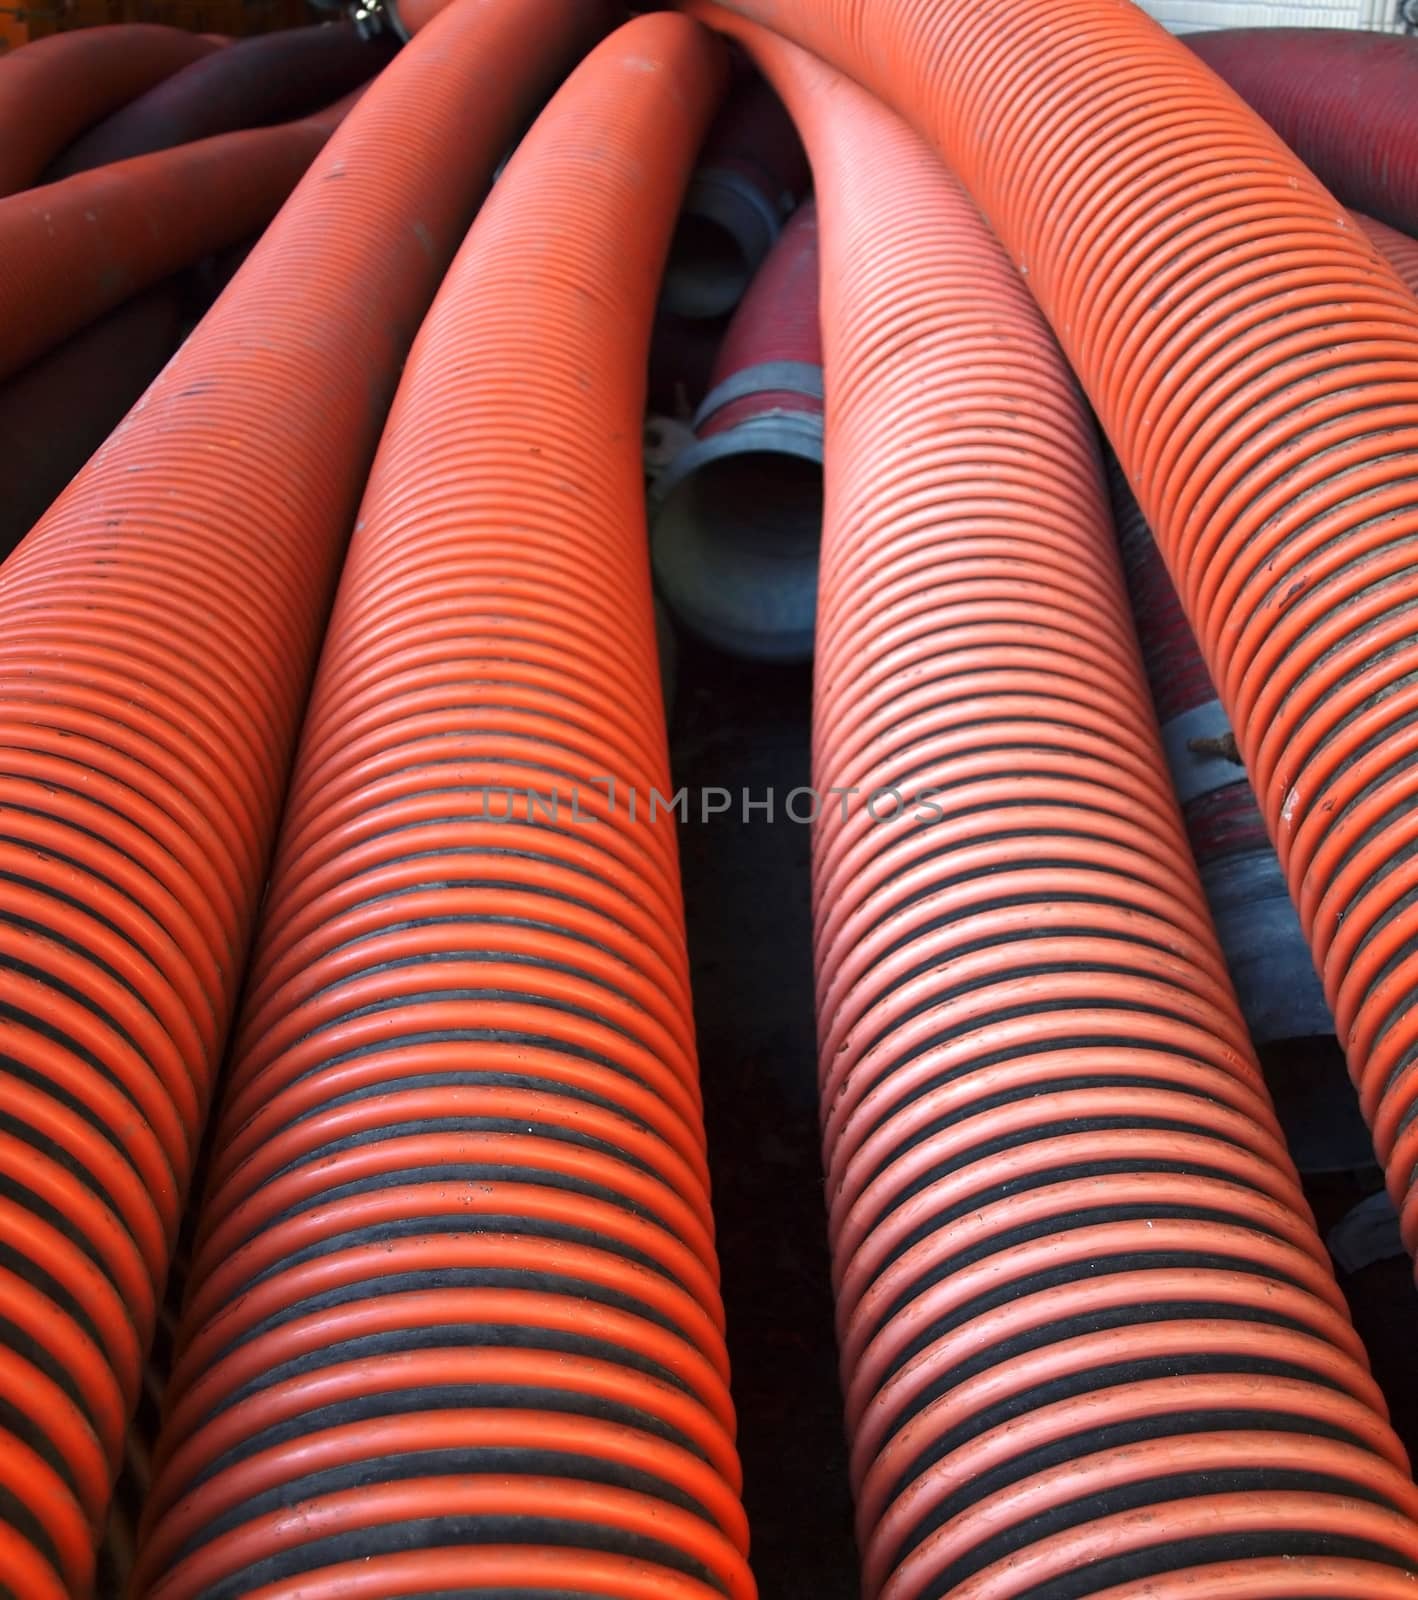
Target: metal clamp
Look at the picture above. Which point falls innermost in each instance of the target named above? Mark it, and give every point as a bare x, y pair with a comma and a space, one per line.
768, 377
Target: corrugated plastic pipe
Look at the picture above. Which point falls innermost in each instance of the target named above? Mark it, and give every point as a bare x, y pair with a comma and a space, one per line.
453, 1324
1345, 101
1261, 938
1260, 935
157, 633
1254, 364
750, 174
1091, 1343
73, 250
59, 410
738, 513
274, 77
52, 89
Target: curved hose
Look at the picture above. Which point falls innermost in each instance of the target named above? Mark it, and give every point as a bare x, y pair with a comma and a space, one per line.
59, 410
1089, 1336
273, 77
454, 1283
1260, 935
1255, 365
739, 511
54, 88
157, 632
1266, 955
1345, 101
73, 250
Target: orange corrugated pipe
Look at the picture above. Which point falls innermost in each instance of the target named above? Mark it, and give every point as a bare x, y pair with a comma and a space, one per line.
157, 633
1255, 365
453, 1321
1091, 1342
73, 250
54, 88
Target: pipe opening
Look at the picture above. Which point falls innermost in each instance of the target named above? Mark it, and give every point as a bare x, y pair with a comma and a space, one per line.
736, 547
708, 270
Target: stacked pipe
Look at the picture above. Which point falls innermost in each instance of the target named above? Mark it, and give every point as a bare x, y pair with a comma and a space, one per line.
453, 1323
1266, 955
71, 251
1254, 364
157, 633
1090, 1341
274, 77
739, 511
53, 89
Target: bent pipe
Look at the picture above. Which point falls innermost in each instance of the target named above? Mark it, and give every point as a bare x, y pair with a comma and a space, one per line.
158, 629
73, 250
454, 1286
57, 411
1266, 955
271, 78
52, 89
1346, 102
750, 174
1089, 1335
738, 513
1254, 364
1260, 934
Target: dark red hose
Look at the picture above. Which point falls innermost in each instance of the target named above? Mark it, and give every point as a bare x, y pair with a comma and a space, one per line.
273, 77
73, 250
738, 512
1255, 365
1345, 101
59, 410
453, 1322
1089, 1335
52, 89
751, 173
157, 633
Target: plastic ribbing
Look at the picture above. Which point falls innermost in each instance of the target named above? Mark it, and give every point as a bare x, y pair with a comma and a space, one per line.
1089, 1335
157, 633
1255, 366
453, 1324
1345, 101
273, 77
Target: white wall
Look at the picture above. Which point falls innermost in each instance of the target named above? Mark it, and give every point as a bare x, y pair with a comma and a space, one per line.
1188, 16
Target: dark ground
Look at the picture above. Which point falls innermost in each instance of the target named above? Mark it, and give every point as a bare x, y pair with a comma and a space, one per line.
750, 941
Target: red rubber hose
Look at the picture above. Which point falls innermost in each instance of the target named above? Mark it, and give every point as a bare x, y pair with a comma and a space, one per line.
1089, 1335
54, 88
1346, 102
157, 633
73, 250
273, 77
454, 1282
59, 410
750, 174
738, 512
1255, 365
